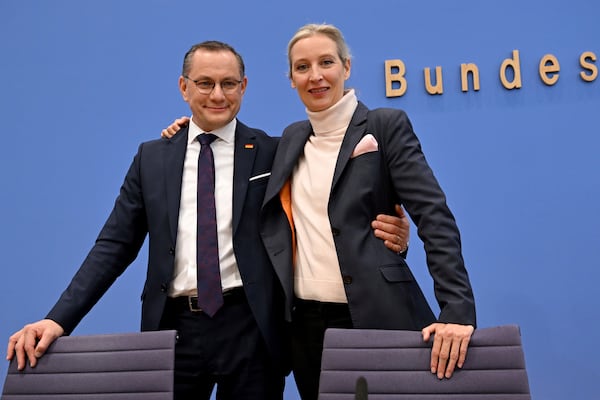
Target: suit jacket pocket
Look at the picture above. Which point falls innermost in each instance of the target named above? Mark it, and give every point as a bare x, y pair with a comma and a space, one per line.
259, 179
258, 184
396, 273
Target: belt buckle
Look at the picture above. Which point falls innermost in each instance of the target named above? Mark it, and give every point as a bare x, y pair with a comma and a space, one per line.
193, 304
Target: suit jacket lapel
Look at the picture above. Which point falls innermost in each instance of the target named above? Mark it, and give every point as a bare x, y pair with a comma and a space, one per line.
289, 151
355, 131
174, 150
243, 160
292, 144
173, 157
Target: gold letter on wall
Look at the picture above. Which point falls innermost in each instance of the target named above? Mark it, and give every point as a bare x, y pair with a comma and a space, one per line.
549, 68
465, 69
439, 84
515, 64
398, 77
592, 68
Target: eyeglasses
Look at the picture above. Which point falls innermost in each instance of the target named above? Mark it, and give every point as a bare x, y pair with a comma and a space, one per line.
206, 86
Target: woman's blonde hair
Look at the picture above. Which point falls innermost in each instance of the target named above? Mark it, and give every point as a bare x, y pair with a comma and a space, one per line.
328, 30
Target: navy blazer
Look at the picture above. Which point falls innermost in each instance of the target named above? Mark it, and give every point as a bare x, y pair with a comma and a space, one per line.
381, 290
148, 204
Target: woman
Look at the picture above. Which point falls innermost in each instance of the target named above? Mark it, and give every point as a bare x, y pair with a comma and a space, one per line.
332, 174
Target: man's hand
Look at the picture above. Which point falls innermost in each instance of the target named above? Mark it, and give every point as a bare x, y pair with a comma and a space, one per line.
394, 231
32, 342
449, 349
172, 129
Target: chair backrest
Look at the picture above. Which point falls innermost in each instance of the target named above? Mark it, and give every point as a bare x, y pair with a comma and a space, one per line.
395, 365
129, 366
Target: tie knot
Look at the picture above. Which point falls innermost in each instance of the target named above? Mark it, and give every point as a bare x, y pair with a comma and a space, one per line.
206, 139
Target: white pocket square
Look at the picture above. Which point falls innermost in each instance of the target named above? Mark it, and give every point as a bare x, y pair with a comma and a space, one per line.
255, 177
366, 145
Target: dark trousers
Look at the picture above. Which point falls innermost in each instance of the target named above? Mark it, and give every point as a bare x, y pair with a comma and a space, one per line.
310, 319
226, 350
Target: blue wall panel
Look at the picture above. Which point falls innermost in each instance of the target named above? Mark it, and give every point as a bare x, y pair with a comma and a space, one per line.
83, 83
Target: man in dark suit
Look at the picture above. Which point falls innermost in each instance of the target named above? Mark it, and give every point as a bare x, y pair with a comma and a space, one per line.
241, 347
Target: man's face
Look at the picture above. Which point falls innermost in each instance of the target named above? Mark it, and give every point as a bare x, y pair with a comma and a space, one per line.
217, 108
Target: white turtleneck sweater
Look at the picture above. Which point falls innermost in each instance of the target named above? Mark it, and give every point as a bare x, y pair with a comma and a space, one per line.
317, 272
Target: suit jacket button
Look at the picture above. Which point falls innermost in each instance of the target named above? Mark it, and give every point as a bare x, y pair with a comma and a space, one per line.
163, 287
347, 279
335, 231
171, 251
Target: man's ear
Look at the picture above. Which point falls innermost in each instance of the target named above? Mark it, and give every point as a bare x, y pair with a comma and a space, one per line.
183, 88
244, 84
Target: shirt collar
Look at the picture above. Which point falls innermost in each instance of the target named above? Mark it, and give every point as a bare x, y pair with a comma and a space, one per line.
225, 133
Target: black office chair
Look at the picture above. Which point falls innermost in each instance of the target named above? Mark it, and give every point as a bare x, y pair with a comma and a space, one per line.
130, 366
394, 365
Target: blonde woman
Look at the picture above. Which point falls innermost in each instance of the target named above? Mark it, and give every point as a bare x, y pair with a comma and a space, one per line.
332, 174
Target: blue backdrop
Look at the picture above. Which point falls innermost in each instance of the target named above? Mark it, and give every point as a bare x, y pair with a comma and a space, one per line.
82, 83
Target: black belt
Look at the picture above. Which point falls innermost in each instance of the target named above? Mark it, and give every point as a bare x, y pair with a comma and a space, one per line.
319, 306
230, 296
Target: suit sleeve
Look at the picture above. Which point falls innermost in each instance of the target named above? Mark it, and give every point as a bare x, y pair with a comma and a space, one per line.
419, 191
115, 249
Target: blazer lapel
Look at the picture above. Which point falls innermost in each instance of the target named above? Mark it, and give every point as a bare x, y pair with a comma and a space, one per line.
173, 157
355, 131
289, 151
243, 160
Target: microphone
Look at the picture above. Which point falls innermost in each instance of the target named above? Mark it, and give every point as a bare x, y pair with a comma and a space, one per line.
362, 392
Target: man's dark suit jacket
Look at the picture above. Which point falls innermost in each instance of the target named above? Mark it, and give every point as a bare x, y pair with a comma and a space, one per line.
148, 203
381, 290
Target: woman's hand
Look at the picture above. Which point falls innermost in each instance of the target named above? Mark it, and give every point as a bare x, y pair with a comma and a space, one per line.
172, 129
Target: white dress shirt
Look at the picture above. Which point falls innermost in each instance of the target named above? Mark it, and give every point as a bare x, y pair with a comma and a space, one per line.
184, 275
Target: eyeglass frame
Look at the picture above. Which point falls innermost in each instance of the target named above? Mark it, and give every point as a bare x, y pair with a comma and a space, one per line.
203, 91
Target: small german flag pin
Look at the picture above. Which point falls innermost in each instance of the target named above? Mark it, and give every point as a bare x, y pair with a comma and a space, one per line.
249, 146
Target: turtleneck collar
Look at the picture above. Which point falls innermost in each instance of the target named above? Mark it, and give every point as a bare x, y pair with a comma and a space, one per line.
335, 118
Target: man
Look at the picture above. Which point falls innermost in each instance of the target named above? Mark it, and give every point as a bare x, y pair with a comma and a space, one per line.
240, 347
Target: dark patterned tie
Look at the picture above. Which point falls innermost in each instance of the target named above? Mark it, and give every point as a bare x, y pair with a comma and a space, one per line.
210, 293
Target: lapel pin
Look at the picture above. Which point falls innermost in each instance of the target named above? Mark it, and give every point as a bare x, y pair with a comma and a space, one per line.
248, 146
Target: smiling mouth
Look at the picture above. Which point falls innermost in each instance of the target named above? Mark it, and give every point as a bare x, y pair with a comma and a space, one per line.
215, 108
318, 90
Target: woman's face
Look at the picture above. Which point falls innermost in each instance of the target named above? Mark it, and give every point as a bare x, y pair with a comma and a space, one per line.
318, 73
